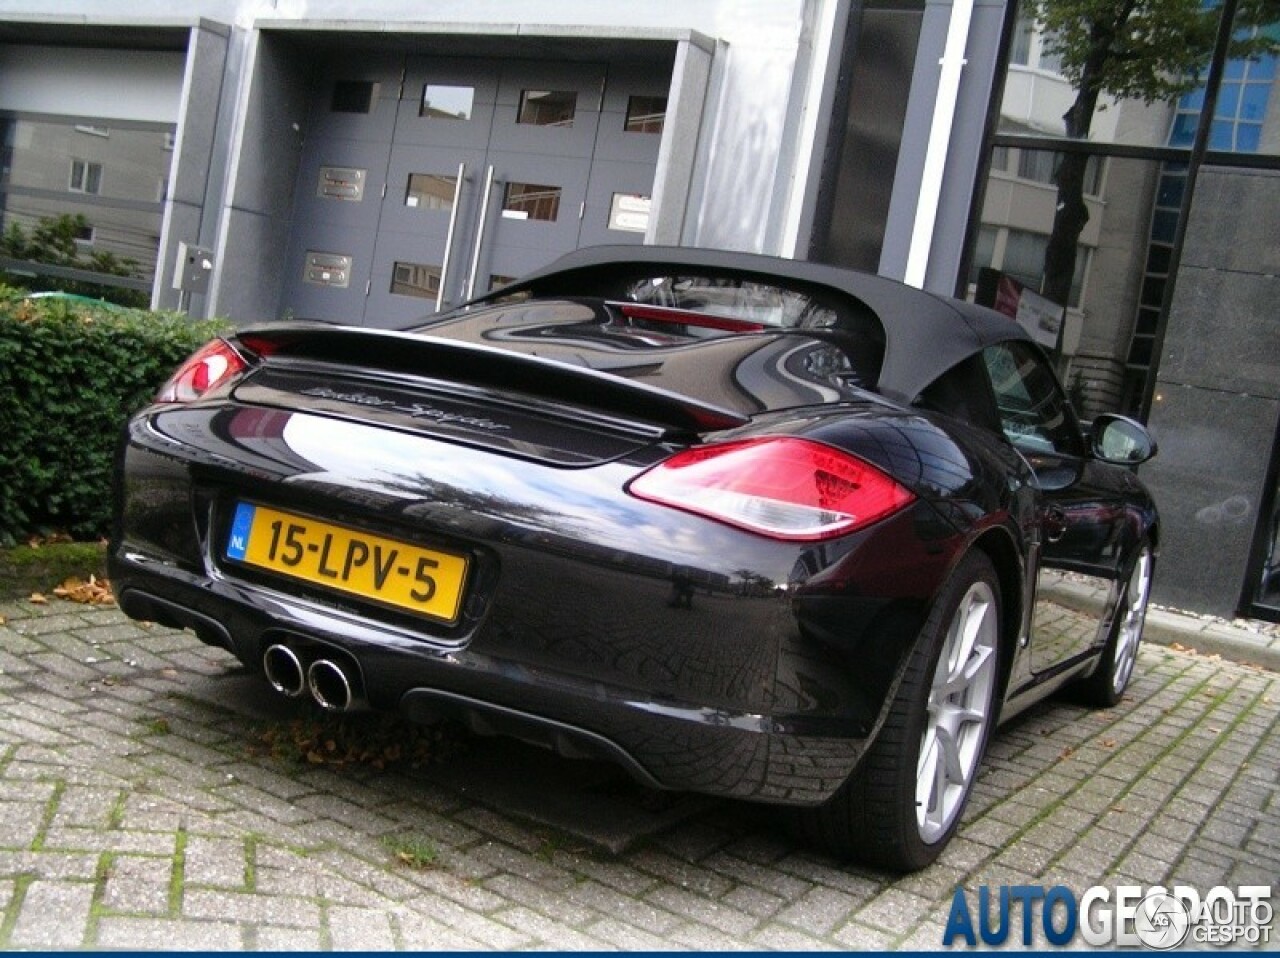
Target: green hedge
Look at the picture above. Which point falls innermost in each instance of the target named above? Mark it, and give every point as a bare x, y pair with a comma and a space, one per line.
71, 372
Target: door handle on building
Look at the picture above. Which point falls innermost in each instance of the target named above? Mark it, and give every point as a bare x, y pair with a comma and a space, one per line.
448, 240
484, 221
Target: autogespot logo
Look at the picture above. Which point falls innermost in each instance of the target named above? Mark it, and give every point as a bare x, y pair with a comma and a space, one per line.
1156, 917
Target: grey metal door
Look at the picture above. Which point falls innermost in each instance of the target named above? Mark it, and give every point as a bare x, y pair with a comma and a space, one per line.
336, 207
466, 174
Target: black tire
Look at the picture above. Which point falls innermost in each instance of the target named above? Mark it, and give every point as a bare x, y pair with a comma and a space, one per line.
874, 817
1106, 686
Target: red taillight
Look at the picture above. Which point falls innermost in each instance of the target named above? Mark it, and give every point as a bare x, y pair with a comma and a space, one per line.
211, 365
780, 487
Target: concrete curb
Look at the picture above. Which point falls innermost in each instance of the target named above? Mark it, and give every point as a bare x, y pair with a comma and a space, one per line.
1213, 637
1243, 641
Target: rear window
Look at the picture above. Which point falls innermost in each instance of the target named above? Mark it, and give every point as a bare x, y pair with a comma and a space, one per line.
733, 298
750, 298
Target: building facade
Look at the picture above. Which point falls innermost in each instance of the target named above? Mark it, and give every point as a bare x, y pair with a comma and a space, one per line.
372, 161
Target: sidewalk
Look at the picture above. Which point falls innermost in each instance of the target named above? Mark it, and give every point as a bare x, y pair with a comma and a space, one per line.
150, 799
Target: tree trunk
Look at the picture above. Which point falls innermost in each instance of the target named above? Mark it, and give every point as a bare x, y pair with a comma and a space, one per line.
1069, 221
1072, 215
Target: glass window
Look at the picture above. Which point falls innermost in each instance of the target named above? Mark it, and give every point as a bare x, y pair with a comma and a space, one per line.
1253, 102
983, 252
84, 195
415, 279
1228, 100
531, 201
1222, 135
646, 114
353, 96
1152, 292
1243, 100
1116, 246
1041, 166
1061, 51
1050, 58
1140, 351
86, 177
1170, 192
1183, 133
443, 102
1164, 226
1249, 138
430, 191
1094, 176
1159, 256
547, 107
1024, 256
735, 298
1020, 47
1033, 408
1037, 165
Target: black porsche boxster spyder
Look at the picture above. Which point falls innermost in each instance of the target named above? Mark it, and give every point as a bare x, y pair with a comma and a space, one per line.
746, 526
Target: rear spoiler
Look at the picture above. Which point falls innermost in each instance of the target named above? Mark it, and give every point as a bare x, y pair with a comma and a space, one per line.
507, 375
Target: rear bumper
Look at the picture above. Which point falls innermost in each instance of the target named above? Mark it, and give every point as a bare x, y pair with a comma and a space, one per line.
792, 757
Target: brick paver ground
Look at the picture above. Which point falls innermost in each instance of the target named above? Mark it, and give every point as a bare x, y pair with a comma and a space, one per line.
139, 809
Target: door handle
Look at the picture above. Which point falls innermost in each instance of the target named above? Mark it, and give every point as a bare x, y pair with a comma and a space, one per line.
448, 240
1055, 523
484, 221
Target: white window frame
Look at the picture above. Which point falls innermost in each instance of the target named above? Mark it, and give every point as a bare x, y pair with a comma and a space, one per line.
81, 177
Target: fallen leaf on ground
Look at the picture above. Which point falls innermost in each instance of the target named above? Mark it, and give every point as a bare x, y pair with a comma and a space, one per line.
38, 598
94, 592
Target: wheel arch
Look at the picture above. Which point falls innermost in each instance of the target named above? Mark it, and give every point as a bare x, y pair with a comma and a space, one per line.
998, 546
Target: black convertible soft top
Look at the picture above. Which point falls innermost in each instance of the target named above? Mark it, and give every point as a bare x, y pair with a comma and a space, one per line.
925, 334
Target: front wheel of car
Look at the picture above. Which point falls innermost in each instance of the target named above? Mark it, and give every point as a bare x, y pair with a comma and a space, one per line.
1105, 687
902, 805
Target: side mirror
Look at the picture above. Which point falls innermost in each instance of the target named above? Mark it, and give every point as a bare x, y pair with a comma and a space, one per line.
1121, 440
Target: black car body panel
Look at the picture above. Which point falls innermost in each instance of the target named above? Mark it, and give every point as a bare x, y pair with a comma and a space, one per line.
698, 654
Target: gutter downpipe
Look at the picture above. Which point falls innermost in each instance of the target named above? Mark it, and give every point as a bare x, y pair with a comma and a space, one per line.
935, 159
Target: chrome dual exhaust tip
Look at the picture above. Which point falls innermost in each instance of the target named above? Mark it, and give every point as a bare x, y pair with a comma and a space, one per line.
284, 671
333, 685
330, 685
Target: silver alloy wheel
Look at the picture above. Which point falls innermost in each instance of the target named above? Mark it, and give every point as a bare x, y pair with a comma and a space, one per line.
959, 710
1129, 632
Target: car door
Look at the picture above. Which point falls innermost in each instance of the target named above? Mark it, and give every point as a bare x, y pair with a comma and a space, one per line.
1081, 513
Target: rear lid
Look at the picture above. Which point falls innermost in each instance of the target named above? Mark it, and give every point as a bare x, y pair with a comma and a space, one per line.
566, 381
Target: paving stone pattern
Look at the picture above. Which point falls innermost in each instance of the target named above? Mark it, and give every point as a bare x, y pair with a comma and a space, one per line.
135, 812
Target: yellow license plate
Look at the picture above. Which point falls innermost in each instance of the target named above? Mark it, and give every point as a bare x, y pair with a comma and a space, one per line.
385, 570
